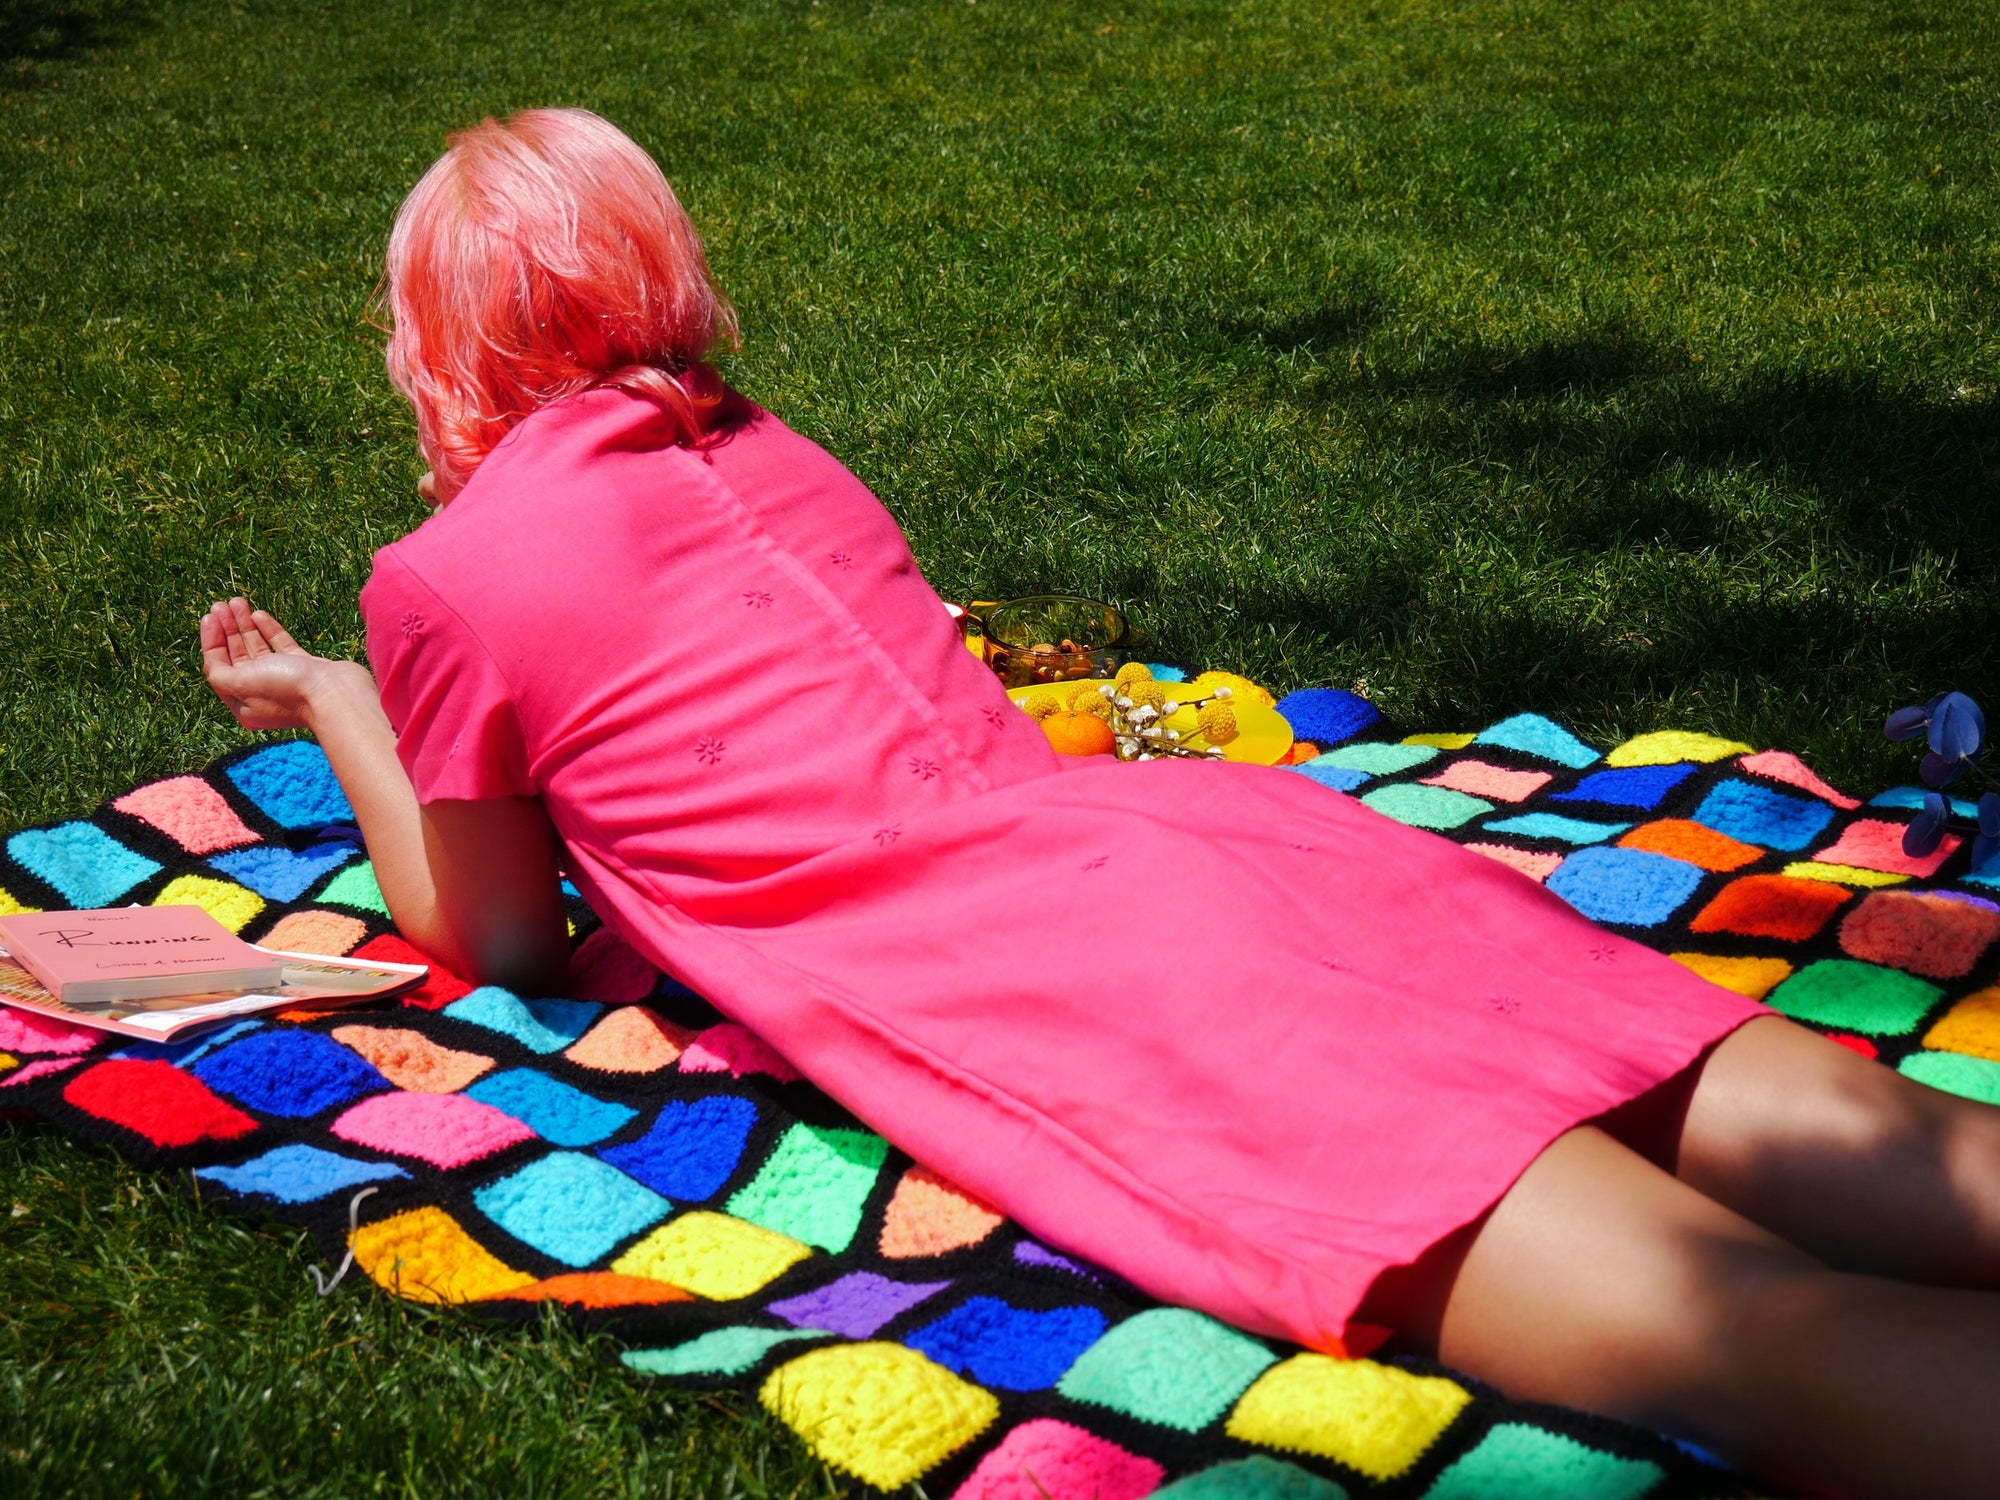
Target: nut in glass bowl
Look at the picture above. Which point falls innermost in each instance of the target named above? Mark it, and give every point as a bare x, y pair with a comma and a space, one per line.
1052, 638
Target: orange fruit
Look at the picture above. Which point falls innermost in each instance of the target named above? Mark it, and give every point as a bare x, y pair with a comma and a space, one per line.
1078, 734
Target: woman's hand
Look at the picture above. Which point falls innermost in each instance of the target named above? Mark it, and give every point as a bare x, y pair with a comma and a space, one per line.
263, 676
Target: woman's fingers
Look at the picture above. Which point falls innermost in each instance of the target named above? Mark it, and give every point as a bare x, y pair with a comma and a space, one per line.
279, 638
246, 628
214, 644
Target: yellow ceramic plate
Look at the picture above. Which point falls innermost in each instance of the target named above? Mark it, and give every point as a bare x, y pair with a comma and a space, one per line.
1263, 737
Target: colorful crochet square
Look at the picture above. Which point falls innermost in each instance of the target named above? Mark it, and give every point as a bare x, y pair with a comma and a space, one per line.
1934, 936
1780, 765
157, 1101
691, 1149
86, 865
1667, 745
557, 1112
1972, 1026
1012, 1348
446, 1130
1973, 1077
572, 1208
293, 786
597, 1290
1338, 778
1327, 716
325, 932
1169, 1366
929, 1216
1641, 787
1531, 734
539, 1025
1544, 825
1753, 978
1513, 1461
412, 1061
1874, 844
298, 1173
1050, 1460
1537, 866
426, 1256
280, 874
1846, 996
1425, 806
1257, 1478
1772, 906
190, 812
1375, 1418
814, 1185
856, 1305
883, 1413
1497, 783
290, 1074
1685, 839
1377, 759
357, 887
713, 1256
630, 1039
1628, 887
725, 1351
739, 1052
1754, 814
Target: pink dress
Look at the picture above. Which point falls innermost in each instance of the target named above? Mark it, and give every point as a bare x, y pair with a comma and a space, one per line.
1224, 1031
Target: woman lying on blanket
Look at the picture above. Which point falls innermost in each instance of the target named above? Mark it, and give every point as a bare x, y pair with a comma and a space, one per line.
654, 634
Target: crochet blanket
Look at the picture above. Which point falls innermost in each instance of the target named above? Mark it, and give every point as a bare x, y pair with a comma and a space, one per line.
662, 1173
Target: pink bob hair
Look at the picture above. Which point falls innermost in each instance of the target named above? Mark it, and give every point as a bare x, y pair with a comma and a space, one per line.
538, 258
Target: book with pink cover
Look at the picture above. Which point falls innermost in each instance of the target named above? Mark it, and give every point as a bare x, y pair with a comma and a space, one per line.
129, 953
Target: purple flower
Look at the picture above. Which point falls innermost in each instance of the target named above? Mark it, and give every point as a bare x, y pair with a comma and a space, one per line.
1958, 728
1926, 830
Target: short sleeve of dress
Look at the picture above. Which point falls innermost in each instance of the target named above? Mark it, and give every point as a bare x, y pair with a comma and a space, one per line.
457, 732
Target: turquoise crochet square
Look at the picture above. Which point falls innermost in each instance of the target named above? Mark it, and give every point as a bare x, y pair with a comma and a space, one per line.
572, 1208
1167, 1365
86, 864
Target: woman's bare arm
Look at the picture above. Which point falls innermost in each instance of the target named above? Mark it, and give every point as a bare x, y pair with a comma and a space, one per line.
472, 883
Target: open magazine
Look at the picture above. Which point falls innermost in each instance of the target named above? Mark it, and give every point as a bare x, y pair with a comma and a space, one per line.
308, 981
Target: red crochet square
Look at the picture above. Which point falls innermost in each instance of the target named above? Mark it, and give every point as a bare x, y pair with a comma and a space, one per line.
1934, 936
439, 988
156, 1100
1773, 906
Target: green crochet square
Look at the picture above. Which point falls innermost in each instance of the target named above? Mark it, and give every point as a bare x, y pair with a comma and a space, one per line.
1850, 996
1955, 1073
722, 1351
1169, 1366
1256, 1478
1513, 1461
1434, 807
814, 1185
1378, 759
355, 886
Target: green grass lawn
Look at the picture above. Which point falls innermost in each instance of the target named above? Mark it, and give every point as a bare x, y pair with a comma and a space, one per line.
1635, 366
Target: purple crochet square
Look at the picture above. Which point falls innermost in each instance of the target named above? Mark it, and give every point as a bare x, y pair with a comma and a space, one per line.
855, 1305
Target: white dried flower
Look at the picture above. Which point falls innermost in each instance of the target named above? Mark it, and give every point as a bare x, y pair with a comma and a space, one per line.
1223, 692
1170, 707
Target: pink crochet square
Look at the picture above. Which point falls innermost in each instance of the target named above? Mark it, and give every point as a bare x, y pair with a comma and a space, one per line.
447, 1130
24, 1031
607, 969
190, 812
1478, 779
1538, 867
1875, 844
1782, 765
1050, 1460
730, 1048
37, 1070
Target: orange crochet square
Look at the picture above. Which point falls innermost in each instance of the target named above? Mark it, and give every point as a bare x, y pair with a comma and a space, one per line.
1934, 936
596, 1289
1681, 838
1773, 906
1972, 1026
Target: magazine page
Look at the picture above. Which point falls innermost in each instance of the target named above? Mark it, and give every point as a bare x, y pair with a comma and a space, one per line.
310, 981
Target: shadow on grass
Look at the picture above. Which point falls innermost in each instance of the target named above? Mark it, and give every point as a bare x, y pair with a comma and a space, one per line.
43, 31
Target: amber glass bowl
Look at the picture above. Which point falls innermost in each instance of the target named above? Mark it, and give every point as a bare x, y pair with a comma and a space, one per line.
1052, 638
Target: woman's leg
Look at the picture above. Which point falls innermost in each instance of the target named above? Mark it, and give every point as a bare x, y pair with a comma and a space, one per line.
1849, 1160
1602, 1282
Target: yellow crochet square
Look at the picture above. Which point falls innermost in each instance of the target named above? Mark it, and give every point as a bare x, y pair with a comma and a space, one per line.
882, 1412
1812, 869
229, 903
9, 907
712, 1255
1753, 978
1441, 741
1373, 1418
1665, 746
425, 1256
8, 1061
1972, 1026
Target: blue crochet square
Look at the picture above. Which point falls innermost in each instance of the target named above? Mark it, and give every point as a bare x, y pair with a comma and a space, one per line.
1631, 887
692, 1148
299, 1174
187, 1054
539, 1025
279, 874
1012, 1348
289, 1073
1326, 716
552, 1109
1531, 734
572, 1208
1758, 815
1556, 826
1643, 787
86, 864
292, 785
1340, 778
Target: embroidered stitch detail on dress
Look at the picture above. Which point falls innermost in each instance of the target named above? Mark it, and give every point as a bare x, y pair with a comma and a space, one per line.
887, 836
923, 768
840, 560
708, 749
412, 625
1602, 953
1507, 1005
1096, 864
756, 599
995, 716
